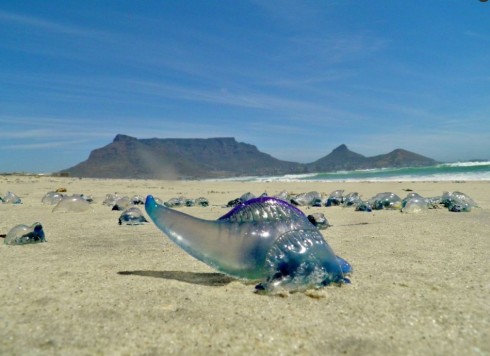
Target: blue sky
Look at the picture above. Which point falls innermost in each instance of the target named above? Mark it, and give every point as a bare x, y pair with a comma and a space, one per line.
294, 78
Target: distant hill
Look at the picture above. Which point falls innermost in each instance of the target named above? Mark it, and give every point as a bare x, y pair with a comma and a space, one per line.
171, 158
342, 158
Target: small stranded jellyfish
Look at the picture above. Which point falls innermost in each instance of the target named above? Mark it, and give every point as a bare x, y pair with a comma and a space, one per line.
458, 202
335, 198
132, 216
283, 195
307, 199
415, 205
202, 202
319, 220
23, 234
74, 203
351, 199
364, 206
11, 198
386, 200
175, 202
52, 198
122, 203
110, 199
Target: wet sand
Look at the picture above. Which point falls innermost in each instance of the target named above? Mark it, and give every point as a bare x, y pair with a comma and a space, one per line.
421, 282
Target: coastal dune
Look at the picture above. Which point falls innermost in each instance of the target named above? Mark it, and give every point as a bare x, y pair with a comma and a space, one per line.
421, 282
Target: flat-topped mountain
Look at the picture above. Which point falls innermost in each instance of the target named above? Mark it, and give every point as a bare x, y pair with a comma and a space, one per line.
172, 158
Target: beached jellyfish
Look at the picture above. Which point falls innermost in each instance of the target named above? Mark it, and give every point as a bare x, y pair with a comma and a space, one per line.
351, 199
263, 239
335, 198
434, 202
385, 201
23, 234
201, 201
73, 203
414, 204
307, 199
411, 195
110, 199
121, 203
189, 202
10, 198
364, 206
319, 220
52, 198
283, 195
242, 199
457, 202
175, 202
132, 216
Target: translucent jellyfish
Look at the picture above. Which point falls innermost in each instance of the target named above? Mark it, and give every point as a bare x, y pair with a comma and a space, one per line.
283, 195
189, 202
263, 239
410, 196
308, 199
385, 201
319, 220
364, 206
132, 216
459, 207
415, 204
175, 202
457, 202
11, 198
335, 198
23, 234
201, 201
52, 198
351, 199
74, 203
245, 197
110, 199
122, 203
434, 202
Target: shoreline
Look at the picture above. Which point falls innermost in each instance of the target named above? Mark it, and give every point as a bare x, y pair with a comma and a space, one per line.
420, 283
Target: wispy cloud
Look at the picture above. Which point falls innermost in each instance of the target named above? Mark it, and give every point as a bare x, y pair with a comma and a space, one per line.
45, 25
478, 35
41, 145
334, 48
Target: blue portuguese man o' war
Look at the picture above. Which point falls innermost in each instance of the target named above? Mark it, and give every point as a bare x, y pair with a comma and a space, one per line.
264, 239
23, 234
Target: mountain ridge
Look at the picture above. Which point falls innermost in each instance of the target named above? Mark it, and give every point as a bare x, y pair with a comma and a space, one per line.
219, 157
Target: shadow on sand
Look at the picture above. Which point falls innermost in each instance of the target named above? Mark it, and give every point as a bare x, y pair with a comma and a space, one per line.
207, 279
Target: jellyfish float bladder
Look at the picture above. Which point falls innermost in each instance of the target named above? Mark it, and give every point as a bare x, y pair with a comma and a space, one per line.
264, 239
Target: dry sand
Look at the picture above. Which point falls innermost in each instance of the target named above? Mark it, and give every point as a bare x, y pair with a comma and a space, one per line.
421, 284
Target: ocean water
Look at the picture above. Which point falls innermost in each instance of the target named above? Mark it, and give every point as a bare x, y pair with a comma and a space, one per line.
460, 171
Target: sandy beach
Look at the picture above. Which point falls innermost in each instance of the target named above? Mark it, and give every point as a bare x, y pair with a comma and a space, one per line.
421, 282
